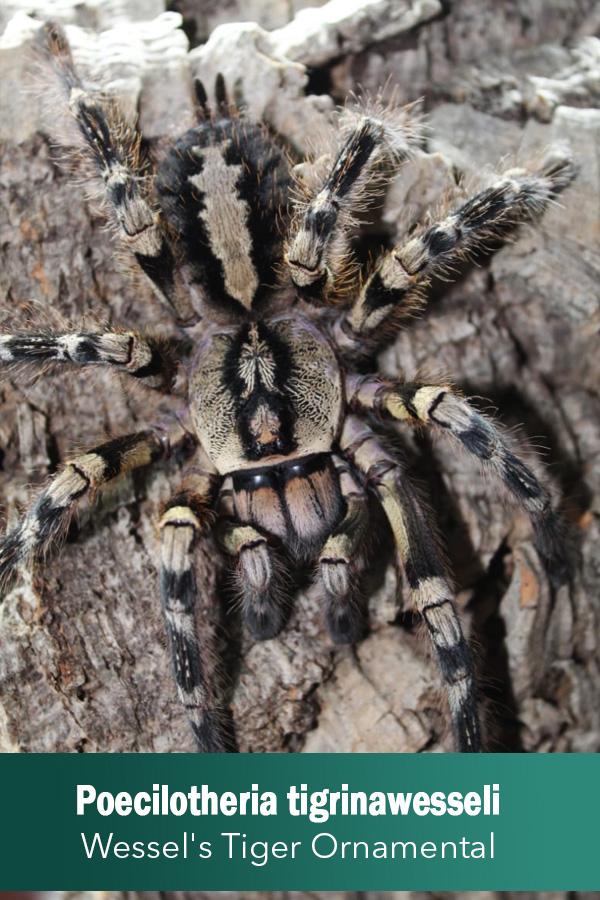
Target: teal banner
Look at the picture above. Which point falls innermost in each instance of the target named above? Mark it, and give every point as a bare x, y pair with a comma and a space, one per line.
310, 822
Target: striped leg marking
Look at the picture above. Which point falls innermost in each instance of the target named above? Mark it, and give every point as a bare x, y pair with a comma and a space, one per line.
439, 407
259, 576
48, 518
113, 149
185, 519
426, 575
341, 561
143, 358
396, 286
317, 252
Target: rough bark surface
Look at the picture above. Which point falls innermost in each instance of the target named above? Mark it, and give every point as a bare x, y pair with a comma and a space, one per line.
324, 895
83, 664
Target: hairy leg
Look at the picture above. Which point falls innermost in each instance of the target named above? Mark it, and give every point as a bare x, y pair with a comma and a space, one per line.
113, 149
426, 574
143, 358
185, 519
48, 518
317, 252
398, 282
440, 407
341, 561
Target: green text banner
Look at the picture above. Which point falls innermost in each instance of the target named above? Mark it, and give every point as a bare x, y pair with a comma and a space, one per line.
310, 822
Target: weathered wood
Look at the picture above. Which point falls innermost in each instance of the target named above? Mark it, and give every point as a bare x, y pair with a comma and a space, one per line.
324, 895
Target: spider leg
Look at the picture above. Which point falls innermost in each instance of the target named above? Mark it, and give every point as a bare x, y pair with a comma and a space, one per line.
432, 596
397, 285
316, 251
143, 358
341, 561
113, 149
259, 576
440, 407
185, 519
48, 518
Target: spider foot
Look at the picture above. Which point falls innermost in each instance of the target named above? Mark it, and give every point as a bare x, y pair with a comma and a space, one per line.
343, 612
264, 601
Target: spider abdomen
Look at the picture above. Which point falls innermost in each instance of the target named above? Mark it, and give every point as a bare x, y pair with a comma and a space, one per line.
265, 393
298, 502
222, 189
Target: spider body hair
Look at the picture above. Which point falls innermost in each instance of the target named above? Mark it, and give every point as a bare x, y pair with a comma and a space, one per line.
287, 449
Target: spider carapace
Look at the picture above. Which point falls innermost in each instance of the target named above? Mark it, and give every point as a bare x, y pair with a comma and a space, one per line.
256, 256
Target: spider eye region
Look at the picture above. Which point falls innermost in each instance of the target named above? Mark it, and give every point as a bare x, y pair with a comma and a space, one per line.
265, 427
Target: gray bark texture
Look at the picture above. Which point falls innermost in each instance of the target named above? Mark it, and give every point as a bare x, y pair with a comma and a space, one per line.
324, 895
84, 665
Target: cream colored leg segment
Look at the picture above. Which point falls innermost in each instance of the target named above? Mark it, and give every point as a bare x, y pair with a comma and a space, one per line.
397, 285
186, 518
441, 408
129, 352
342, 559
425, 572
49, 517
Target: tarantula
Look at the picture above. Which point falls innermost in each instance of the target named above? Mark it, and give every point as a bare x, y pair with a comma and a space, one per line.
282, 401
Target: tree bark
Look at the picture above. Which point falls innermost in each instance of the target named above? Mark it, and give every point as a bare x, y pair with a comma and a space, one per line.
84, 665
324, 895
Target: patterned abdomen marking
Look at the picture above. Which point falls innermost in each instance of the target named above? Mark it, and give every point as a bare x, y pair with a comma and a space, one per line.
225, 217
222, 189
